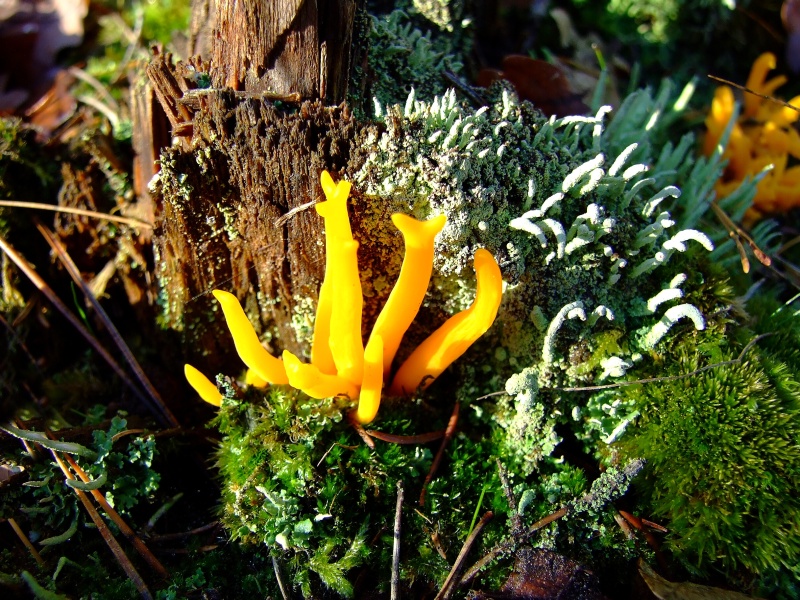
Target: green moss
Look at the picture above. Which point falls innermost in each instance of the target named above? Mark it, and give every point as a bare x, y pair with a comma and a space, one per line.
413, 46
299, 481
723, 452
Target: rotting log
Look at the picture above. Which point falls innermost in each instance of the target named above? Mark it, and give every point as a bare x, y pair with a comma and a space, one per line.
237, 214
283, 47
234, 197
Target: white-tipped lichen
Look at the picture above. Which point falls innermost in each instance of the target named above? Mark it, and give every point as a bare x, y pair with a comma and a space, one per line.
573, 310
587, 248
672, 316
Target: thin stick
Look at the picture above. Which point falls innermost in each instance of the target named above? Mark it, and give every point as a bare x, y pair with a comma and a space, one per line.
749, 91
398, 518
281, 586
124, 528
95, 83
423, 438
72, 269
737, 233
280, 221
362, 433
77, 211
108, 537
176, 536
449, 585
25, 541
448, 435
508, 545
42, 286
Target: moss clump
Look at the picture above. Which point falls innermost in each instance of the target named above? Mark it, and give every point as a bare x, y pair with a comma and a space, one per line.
413, 46
723, 451
298, 480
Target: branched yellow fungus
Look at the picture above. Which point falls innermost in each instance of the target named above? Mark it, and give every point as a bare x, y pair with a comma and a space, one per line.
340, 364
202, 385
314, 382
369, 398
457, 334
250, 350
762, 137
412, 284
345, 341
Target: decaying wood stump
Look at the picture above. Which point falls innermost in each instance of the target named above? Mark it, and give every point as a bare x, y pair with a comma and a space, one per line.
284, 47
237, 213
234, 198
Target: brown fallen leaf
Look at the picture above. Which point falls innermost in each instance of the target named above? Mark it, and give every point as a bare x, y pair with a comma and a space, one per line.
539, 82
670, 590
545, 575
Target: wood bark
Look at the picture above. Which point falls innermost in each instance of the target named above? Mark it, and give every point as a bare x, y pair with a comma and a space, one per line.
228, 191
284, 47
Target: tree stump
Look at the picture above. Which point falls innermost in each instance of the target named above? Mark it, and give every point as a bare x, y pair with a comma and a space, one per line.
233, 197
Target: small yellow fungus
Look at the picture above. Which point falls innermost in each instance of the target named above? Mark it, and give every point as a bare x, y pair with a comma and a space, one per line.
340, 364
249, 348
457, 334
345, 340
202, 385
314, 382
762, 137
369, 398
412, 284
337, 232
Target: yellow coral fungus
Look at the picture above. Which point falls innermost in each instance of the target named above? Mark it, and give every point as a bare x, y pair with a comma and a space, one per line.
340, 364
762, 137
202, 385
250, 350
409, 291
457, 334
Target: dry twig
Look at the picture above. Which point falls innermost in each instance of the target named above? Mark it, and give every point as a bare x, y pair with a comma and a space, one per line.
398, 518
124, 528
448, 435
422, 438
77, 211
25, 541
42, 286
452, 582
72, 269
108, 537
508, 545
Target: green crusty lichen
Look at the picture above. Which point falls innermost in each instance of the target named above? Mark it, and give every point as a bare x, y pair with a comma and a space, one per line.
414, 45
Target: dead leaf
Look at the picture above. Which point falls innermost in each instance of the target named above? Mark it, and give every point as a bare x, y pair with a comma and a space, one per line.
544, 575
668, 590
539, 82
32, 34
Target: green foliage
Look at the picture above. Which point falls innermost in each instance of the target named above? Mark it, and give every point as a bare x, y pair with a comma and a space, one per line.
298, 481
50, 508
579, 214
412, 47
672, 36
723, 450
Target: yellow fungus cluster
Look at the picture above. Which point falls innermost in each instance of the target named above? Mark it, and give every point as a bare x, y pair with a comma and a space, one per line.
762, 136
341, 365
